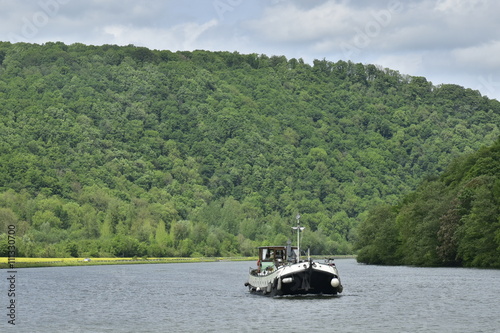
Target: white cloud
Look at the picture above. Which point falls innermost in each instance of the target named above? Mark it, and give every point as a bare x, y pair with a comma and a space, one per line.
458, 5
390, 26
408, 63
290, 23
179, 37
484, 56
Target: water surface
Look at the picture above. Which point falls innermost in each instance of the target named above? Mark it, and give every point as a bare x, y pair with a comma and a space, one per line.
210, 297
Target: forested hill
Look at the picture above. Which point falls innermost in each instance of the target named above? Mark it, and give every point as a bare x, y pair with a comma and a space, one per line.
109, 150
450, 220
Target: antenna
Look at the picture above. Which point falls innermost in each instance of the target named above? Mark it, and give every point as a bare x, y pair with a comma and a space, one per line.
299, 229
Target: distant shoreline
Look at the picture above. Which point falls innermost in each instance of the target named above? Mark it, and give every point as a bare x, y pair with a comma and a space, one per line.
63, 262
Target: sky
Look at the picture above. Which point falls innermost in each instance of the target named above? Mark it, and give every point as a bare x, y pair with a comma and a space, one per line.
446, 41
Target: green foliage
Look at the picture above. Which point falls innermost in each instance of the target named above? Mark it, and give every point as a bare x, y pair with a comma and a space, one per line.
450, 220
109, 150
378, 237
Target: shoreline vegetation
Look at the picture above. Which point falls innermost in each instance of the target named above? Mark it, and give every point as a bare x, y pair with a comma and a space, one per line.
62, 262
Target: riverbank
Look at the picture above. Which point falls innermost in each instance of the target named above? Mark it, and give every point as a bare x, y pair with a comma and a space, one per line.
59, 262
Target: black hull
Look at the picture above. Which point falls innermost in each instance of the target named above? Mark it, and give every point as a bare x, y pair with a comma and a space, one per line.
307, 282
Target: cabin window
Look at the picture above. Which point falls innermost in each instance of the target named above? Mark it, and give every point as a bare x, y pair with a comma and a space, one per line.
279, 254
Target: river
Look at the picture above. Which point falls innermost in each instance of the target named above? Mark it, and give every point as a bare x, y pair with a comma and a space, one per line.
210, 297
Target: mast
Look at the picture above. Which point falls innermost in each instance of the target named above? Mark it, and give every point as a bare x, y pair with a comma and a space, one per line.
299, 229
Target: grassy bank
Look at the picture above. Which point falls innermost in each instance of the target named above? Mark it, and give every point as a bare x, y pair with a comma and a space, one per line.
59, 262
56, 262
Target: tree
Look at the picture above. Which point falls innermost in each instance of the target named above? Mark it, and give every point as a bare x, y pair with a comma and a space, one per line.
7, 218
479, 245
378, 237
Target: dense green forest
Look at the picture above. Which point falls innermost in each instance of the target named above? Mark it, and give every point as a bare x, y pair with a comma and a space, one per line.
453, 219
127, 151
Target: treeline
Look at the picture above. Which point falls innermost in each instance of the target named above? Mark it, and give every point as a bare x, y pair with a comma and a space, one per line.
123, 151
451, 220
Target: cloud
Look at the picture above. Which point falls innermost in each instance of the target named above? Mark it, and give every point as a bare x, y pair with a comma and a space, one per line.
155, 24
484, 56
408, 63
179, 37
389, 25
290, 23
460, 6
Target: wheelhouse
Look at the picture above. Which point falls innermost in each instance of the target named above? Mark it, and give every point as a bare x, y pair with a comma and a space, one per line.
277, 255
